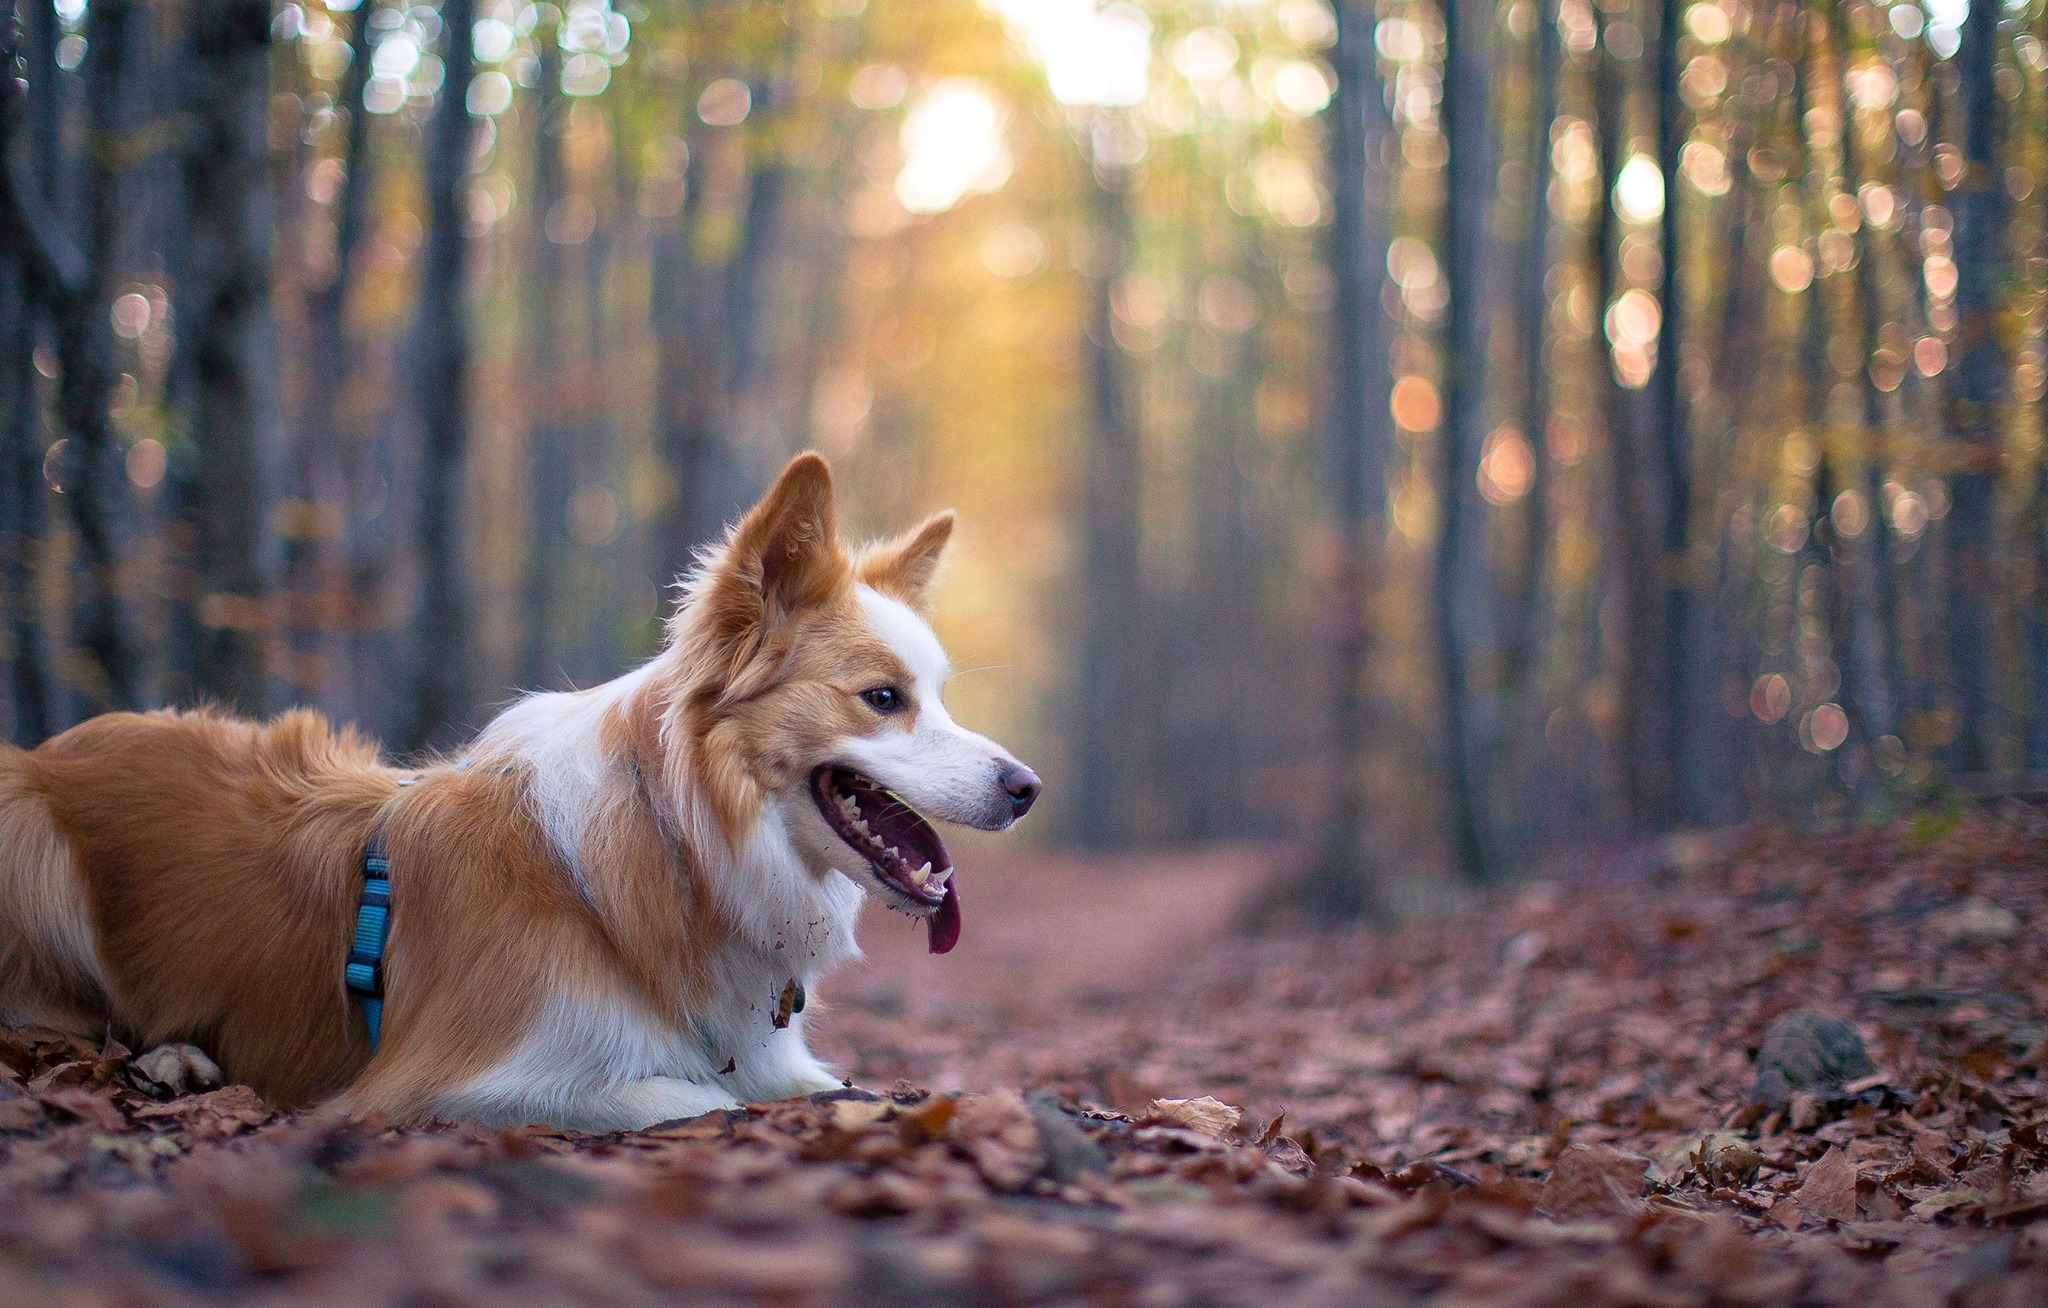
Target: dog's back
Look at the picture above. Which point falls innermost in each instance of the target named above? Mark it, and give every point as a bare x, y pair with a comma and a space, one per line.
168, 875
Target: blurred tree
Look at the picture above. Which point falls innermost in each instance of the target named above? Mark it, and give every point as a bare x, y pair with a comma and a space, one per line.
1109, 681
682, 344
445, 689
1682, 667
1977, 381
26, 226
546, 443
92, 483
1635, 503
326, 465
713, 292
1522, 598
1865, 616
1460, 584
226, 358
20, 492
1359, 438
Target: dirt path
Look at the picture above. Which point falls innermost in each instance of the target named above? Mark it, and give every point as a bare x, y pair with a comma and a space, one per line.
1063, 927
1551, 1098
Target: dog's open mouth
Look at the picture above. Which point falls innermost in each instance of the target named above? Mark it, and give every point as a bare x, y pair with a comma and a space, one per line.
904, 852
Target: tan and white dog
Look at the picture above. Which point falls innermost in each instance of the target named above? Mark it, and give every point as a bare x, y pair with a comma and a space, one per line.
600, 915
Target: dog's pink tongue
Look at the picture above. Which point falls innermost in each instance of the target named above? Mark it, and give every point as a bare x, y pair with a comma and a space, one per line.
944, 925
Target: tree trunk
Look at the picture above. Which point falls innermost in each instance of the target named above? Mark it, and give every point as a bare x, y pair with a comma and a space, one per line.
84, 352
444, 691
1358, 436
21, 453
21, 504
225, 344
1872, 622
749, 296
1684, 671
679, 348
317, 555
1520, 612
710, 331
547, 452
1632, 501
1976, 391
1469, 190
1105, 745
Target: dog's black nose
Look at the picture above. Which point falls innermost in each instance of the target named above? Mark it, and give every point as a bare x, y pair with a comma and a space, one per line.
1022, 785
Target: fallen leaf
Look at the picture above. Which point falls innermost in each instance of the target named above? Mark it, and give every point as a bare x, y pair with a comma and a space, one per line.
1592, 1181
856, 1114
86, 1106
997, 1132
1212, 1117
1827, 1192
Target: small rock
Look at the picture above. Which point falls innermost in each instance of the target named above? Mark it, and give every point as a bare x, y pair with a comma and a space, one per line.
1804, 1051
1522, 949
174, 1070
904, 1092
1068, 1150
846, 1094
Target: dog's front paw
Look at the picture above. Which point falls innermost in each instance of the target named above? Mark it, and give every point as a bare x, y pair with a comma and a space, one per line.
169, 1070
818, 1081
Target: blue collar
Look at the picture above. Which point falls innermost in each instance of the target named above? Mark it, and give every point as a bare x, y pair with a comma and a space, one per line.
373, 924
365, 970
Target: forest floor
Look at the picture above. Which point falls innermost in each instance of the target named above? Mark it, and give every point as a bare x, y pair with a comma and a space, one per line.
1753, 1069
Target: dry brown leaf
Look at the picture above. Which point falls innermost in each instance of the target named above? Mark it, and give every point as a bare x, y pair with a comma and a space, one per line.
857, 1114
997, 1131
98, 1110
1212, 1117
1593, 1181
1827, 1192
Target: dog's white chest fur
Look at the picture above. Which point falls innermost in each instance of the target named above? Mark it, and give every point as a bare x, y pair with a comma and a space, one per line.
605, 1061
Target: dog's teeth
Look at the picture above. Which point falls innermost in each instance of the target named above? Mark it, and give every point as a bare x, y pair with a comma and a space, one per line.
940, 878
918, 876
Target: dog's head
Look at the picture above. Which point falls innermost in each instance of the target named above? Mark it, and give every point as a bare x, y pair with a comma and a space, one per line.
809, 684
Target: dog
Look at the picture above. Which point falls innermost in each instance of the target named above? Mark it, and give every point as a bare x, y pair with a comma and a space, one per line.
605, 914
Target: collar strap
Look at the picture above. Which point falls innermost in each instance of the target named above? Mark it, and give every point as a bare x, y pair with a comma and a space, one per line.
373, 925
365, 971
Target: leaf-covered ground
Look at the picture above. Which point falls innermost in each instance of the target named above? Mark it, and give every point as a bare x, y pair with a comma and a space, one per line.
1762, 1069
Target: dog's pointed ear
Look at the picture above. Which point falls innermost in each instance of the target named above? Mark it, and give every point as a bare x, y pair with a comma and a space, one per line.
905, 568
786, 550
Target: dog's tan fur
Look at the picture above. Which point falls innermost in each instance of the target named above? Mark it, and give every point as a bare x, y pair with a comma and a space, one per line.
189, 877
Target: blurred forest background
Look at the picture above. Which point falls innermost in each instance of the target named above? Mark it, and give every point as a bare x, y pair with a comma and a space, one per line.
1442, 431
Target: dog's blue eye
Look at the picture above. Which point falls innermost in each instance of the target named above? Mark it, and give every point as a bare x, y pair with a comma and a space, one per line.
883, 699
